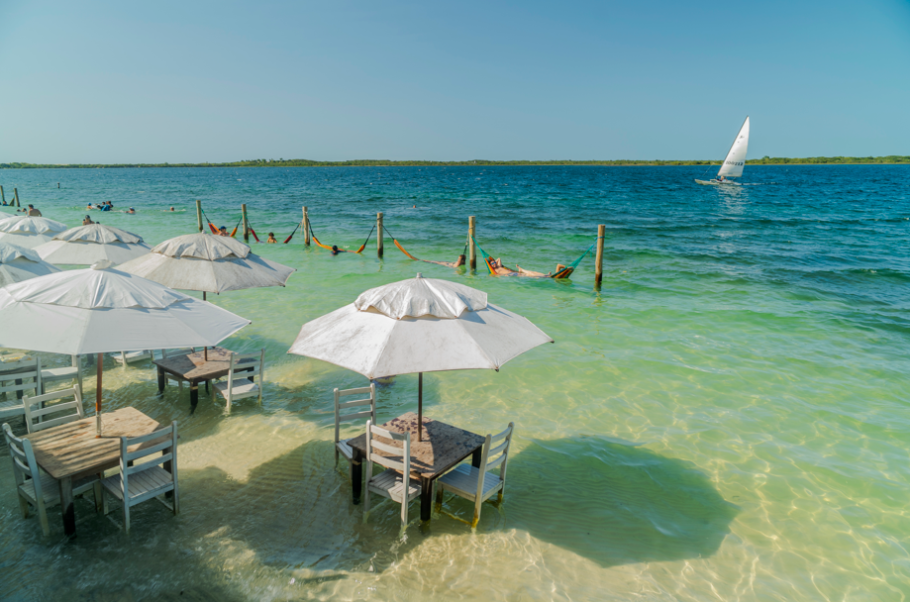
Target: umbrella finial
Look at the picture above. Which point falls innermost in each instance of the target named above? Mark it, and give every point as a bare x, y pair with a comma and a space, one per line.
102, 264
419, 275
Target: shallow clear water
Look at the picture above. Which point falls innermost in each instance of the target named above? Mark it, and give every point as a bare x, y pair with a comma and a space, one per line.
726, 419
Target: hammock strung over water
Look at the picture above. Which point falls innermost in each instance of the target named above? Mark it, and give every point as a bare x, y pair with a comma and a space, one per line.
562, 272
335, 248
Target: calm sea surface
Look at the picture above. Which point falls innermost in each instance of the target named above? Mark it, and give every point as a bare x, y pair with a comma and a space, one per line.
728, 418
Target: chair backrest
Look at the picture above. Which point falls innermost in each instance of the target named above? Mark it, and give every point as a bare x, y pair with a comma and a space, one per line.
491, 457
342, 408
26, 370
24, 465
35, 414
374, 446
166, 353
163, 440
246, 365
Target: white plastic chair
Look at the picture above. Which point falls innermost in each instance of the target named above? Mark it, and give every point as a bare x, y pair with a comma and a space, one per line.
70, 373
341, 445
25, 370
395, 482
240, 383
479, 484
128, 357
35, 488
36, 410
138, 482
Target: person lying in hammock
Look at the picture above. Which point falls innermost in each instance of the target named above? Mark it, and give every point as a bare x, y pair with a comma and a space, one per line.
498, 269
449, 264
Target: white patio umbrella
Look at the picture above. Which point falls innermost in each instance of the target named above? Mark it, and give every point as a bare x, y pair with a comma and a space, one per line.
202, 262
29, 232
18, 264
84, 245
99, 310
420, 325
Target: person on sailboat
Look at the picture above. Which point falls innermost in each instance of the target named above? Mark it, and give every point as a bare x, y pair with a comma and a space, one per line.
720, 178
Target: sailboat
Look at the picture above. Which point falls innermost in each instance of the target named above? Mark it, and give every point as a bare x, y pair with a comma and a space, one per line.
733, 164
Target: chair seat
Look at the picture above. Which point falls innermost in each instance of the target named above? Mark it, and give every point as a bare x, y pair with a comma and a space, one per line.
62, 373
146, 483
243, 387
132, 356
391, 484
50, 489
463, 481
345, 448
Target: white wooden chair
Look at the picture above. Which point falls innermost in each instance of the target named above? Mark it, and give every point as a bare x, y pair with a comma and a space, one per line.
26, 370
137, 482
35, 488
395, 482
70, 373
36, 410
341, 445
479, 484
128, 357
240, 383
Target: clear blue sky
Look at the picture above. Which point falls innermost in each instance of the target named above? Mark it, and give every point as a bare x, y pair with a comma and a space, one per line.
219, 81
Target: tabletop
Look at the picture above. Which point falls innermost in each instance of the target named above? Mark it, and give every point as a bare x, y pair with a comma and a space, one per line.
194, 366
443, 445
72, 450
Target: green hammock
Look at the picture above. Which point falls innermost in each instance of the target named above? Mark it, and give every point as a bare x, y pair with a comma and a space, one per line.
563, 273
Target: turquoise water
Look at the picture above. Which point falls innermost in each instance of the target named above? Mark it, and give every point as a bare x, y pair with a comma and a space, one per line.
726, 419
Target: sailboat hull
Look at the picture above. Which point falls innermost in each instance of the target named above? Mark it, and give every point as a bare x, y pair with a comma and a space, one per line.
716, 183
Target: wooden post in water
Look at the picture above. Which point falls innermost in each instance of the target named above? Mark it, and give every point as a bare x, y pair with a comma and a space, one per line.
306, 228
379, 235
199, 214
599, 258
58, 184
246, 224
472, 254
16, 193
2, 195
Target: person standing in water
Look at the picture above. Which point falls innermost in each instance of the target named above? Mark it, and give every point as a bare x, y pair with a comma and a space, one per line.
272, 238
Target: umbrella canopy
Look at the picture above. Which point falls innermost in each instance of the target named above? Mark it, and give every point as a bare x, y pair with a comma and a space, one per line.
419, 325
202, 262
84, 245
29, 232
18, 264
98, 310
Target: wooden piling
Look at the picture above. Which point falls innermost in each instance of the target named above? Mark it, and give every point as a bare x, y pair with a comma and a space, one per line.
379, 235
16, 194
472, 253
599, 258
199, 214
306, 228
246, 223
2, 195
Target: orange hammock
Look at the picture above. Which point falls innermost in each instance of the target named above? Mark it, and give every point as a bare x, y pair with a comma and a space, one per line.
335, 249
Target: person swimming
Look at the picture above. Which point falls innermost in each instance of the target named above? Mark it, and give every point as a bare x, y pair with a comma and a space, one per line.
335, 250
131, 210
171, 209
271, 238
87, 221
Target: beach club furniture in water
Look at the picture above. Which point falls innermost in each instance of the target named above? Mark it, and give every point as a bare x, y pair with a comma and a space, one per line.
343, 414
13, 377
166, 353
443, 447
141, 479
244, 378
101, 310
37, 411
478, 484
36, 489
198, 367
388, 330
394, 482
70, 373
128, 357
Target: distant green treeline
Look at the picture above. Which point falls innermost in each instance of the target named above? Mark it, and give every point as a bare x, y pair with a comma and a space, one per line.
890, 159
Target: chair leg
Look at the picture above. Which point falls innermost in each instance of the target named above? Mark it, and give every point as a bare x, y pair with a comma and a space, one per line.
404, 508
23, 506
366, 501
42, 516
477, 504
336, 457
438, 497
126, 517
99, 495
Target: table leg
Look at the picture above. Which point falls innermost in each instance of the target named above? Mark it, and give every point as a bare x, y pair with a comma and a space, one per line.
476, 457
356, 480
160, 381
426, 498
19, 392
66, 506
194, 396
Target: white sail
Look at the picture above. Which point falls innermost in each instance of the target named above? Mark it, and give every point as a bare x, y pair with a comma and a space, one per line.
736, 158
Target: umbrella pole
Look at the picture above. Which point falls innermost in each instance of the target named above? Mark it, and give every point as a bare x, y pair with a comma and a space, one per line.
205, 350
98, 396
419, 406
